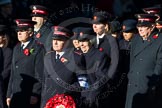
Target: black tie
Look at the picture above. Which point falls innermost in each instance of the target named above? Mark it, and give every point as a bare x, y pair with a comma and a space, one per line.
22, 47
57, 57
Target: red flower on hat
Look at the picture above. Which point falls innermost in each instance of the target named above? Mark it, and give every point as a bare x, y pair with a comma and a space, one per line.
123, 27
155, 36
60, 101
38, 35
101, 49
95, 17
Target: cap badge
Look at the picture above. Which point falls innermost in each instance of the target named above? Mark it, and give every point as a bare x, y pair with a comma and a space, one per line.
124, 27
95, 17
81, 33
34, 7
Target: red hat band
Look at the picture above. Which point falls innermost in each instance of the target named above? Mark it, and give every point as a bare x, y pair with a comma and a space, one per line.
39, 11
145, 19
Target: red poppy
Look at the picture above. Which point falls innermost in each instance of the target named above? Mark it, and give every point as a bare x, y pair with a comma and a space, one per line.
60, 101
155, 36
26, 52
101, 49
38, 35
63, 59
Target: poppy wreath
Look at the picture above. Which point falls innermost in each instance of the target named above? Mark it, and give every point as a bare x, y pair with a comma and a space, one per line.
27, 52
60, 101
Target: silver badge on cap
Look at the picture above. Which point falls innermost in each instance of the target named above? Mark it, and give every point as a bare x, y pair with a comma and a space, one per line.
34, 7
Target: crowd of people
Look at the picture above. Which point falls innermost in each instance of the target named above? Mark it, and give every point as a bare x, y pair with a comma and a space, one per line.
107, 63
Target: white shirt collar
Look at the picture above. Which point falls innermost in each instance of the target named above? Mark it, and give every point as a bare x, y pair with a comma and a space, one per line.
60, 53
100, 37
25, 44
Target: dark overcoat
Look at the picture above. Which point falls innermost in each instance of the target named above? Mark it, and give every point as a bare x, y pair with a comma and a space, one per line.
26, 74
59, 76
6, 68
44, 34
96, 68
1, 79
109, 45
145, 73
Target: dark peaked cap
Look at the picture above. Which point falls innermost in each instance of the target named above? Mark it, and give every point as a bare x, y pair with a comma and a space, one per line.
61, 33
76, 32
152, 10
101, 17
146, 19
159, 24
23, 24
39, 11
86, 34
129, 25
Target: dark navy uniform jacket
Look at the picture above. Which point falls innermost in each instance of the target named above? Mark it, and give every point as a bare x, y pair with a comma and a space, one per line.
60, 76
96, 68
26, 74
43, 35
109, 45
144, 85
1, 79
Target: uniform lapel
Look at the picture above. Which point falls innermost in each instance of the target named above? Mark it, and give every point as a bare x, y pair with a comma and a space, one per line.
140, 45
20, 53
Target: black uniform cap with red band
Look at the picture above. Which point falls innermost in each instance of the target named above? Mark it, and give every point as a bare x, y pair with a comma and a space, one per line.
146, 19
24, 24
61, 33
39, 11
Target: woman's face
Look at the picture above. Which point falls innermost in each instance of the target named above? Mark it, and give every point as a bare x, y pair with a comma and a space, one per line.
84, 46
76, 43
99, 28
127, 36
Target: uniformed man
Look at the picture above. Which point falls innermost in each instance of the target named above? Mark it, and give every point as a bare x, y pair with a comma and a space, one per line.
106, 42
24, 92
42, 28
60, 67
144, 77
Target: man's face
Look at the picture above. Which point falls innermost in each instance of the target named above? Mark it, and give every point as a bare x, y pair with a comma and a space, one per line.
85, 46
39, 20
58, 45
24, 35
144, 31
99, 28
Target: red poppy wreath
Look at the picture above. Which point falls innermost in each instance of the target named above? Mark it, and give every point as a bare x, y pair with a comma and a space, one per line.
60, 101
